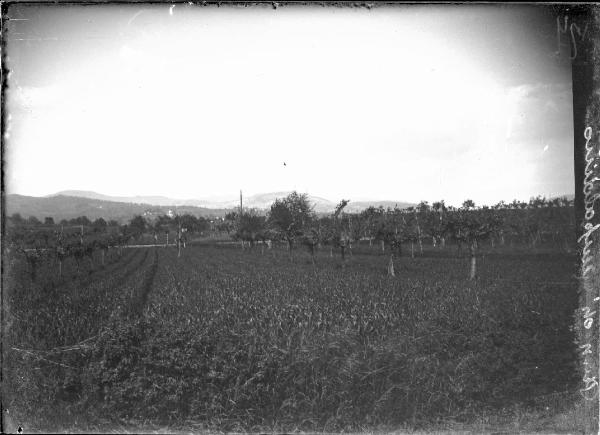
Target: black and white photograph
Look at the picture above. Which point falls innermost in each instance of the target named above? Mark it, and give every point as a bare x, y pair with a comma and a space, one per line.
300, 217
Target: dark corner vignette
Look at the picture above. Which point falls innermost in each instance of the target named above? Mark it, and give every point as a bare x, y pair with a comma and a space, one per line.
4, 421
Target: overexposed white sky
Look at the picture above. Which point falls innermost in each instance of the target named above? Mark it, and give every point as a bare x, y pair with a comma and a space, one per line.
401, 103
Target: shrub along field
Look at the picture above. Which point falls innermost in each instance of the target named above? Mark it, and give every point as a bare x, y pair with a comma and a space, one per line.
231, 339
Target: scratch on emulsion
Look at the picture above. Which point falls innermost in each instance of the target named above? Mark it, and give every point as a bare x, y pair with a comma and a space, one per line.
137, 14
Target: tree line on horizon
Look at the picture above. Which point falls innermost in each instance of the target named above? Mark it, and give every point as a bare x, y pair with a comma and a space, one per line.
292, 220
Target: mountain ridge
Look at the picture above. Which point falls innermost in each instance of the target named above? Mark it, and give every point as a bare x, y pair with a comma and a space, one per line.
261, 201
69, 204
122, 208
62, 207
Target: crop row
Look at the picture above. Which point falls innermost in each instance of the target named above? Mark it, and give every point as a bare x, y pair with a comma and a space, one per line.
250, 342
51, 325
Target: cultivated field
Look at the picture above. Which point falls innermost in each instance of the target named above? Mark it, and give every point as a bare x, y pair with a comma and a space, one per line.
247, 340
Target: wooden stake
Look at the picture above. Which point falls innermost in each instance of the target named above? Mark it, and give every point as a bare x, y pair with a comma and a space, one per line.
390, 269
473, 273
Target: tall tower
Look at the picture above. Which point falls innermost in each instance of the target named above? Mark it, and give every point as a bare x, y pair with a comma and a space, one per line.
241, 209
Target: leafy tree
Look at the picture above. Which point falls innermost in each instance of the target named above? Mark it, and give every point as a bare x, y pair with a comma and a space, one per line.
162, 223
341, 232
202, 224
319, 232
137, 226
33, 257
368, 218
99, 223
410, 231
472, 226
290, 217
193, 224
81, 220
266, 236
181, 231
250, 226
390, 229
383, 227
229, 223
32, 220
468, 204
335, 231
16, 218
436, 223
327, 233
356, 228
49, 221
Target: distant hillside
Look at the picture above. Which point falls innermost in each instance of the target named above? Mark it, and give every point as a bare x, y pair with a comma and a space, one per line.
151, 200
70, 204
68, 207
261, 201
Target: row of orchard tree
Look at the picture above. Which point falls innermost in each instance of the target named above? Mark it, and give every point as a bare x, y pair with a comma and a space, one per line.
292, 220
81, 239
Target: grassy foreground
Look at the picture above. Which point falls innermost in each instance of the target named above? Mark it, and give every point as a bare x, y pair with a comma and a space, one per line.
230, 340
